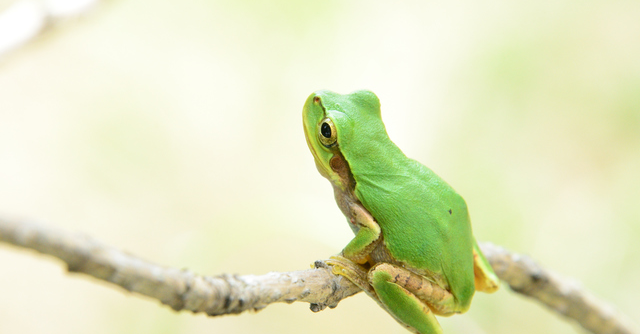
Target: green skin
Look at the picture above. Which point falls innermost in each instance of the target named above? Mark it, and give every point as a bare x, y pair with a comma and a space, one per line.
413, 250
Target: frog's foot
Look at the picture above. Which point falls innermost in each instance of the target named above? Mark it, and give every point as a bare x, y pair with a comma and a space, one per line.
410, 298
354, 272
485, 278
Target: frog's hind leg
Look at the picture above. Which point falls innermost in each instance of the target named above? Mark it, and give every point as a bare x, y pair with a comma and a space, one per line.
411, 298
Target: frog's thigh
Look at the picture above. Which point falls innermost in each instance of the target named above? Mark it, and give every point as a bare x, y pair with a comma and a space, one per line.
404, 305
439, 300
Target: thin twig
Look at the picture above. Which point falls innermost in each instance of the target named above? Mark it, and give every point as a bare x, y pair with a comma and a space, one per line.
230, 294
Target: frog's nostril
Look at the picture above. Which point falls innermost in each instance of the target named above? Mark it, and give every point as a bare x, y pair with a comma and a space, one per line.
316, 99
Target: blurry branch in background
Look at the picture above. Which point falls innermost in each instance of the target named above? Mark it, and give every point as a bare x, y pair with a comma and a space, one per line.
24, 20
560, 294
232, 294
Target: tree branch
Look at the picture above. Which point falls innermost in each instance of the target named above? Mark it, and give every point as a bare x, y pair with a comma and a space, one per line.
179, 289
562, 295
230, 294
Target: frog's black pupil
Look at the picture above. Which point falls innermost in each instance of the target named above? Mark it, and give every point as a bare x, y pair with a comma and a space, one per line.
325, 130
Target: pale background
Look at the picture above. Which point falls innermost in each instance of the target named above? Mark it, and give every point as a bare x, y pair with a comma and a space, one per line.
172, 130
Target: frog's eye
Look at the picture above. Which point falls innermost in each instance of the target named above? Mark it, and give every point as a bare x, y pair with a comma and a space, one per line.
327, 133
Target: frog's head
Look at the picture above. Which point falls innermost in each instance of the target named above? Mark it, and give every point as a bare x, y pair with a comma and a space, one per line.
336, 128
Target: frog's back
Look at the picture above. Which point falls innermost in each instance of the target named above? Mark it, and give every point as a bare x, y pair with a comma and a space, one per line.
424, 222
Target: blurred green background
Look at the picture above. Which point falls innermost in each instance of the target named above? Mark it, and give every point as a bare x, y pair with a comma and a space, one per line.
172, 130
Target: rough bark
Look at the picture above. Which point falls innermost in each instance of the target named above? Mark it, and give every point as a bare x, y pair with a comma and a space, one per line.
231, 294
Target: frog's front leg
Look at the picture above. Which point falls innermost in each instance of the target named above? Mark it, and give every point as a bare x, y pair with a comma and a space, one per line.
412, 299
359, 248
357, 252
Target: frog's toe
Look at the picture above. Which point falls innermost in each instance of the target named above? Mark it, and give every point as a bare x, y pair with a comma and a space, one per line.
342, 266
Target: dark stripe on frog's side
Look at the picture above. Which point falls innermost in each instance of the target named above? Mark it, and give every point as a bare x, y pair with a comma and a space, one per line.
345, 198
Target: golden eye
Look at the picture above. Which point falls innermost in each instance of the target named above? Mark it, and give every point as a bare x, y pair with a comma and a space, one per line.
327, 133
